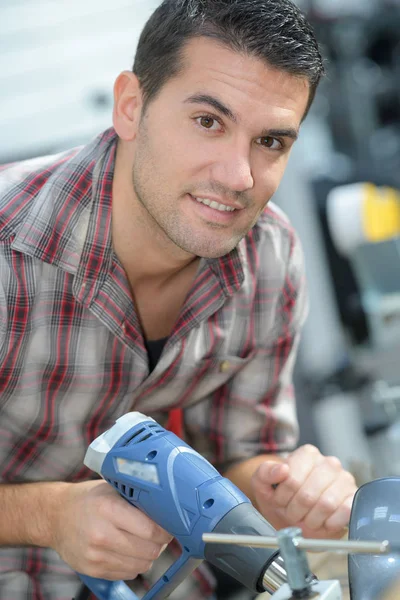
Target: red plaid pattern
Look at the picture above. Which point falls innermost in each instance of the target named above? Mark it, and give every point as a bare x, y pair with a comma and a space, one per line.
73, 358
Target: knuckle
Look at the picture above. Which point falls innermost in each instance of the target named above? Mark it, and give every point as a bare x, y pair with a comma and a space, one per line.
93, 561
311, 450
333, 526
151, 531
102, 506
97, 538
307, 499
333, 462
292, 484
90, 558
328, 504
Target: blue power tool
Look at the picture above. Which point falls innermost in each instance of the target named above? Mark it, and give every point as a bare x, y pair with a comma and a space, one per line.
155, 471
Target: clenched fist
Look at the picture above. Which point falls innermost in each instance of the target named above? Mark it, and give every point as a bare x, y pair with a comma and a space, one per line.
306, 490
99, 534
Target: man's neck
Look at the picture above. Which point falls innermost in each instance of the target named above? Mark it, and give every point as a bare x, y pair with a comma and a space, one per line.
159, 281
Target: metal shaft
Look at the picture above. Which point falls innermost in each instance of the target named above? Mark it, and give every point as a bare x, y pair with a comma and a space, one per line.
341, 546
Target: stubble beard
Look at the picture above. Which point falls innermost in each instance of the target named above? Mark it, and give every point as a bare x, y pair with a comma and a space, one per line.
168, 227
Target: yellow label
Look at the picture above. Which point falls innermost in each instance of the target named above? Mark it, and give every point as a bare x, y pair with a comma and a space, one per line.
381, 213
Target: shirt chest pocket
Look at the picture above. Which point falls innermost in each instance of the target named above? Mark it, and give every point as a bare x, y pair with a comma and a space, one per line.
211, 374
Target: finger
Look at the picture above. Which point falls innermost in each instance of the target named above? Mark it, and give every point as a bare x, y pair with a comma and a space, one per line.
308, 496
300, 464
272, 473
267, 478
333, 499
114, 566
341, 516
134, 547
111, 539
136, 523
323, 533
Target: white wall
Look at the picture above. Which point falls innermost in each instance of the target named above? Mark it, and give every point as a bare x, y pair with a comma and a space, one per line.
58, 63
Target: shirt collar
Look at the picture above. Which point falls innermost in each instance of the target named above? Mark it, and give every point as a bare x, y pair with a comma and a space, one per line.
68, 223
229, 270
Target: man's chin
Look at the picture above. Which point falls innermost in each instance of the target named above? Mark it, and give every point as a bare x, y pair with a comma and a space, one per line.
211, 249
214, 253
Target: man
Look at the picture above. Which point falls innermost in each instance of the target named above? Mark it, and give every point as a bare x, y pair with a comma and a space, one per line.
145, 272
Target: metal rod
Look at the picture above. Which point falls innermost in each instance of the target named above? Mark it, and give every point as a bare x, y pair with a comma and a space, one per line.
342, 546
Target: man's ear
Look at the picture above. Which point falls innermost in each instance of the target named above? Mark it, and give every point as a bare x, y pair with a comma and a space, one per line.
128, 104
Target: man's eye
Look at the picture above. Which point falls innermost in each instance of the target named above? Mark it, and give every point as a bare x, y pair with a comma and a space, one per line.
208, 123
270, 142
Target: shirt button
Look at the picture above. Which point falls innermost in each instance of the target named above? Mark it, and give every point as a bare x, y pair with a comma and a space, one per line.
224, 366
124, 327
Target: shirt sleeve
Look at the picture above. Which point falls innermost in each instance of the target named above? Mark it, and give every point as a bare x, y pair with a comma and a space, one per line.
255, 412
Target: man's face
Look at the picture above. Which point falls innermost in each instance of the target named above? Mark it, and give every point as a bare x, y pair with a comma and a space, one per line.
212, 147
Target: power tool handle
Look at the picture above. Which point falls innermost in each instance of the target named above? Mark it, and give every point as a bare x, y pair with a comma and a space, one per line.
118, 590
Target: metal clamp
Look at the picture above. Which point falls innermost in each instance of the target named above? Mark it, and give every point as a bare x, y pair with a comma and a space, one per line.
298, 571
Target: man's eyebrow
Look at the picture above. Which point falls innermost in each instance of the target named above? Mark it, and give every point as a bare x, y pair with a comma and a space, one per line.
289, 132
214, 102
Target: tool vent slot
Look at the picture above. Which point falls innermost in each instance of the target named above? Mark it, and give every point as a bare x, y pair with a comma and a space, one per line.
126, 491
156, 427
123, 489
143, 434
134, 436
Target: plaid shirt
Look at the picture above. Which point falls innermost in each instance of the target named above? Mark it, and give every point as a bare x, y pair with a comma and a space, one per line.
73, 358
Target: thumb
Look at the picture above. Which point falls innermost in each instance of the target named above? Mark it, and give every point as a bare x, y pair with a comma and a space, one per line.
273, 472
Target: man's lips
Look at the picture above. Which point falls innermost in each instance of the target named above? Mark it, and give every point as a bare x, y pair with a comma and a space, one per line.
216, 203
211, 211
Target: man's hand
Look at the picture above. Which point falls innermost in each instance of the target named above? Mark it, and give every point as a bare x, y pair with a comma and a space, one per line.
99, 534
314, 493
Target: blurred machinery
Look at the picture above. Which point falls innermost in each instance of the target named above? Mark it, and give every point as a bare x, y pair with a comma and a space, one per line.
342, 193
364, 223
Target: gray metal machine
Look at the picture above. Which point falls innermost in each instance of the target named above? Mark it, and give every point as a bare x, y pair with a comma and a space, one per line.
374, 565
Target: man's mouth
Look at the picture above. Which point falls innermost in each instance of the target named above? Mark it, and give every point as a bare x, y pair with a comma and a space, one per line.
215, 205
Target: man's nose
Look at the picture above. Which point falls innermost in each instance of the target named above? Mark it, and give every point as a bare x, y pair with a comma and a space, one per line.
232, 169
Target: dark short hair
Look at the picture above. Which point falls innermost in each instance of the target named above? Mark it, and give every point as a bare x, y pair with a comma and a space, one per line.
275, 31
